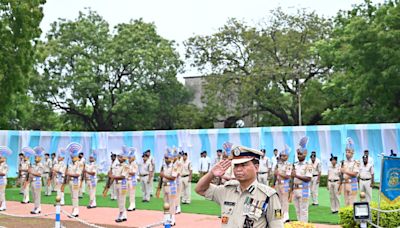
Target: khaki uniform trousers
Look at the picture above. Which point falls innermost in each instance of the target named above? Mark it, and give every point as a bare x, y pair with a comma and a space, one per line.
21, 181
283, 191
47, 188
132, 192
146, 187
59, 180
92, 184
185, 189
82, 188
122, 190
3, 193
314, 189
178, 192
300, 201
170, 198
74, 186
365, 186
334, 195
25, 191
113, 193
36, 188
263, 178
350, 193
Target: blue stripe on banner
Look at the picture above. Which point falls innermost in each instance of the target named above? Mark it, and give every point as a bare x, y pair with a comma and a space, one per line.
205, 142
13, 144
288, 137
55, 139
313, 141
351, 132
267, 142
336, 141
375, 147
244, 134
34, 138
172, 138
75, 136
222, 137
94, 142
128, 138
148, 141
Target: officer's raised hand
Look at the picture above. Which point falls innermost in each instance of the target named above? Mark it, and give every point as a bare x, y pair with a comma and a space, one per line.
219, 169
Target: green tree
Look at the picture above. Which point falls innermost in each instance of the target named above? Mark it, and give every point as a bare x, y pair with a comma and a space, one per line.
19, 31
365, 53
110, 80
259, 72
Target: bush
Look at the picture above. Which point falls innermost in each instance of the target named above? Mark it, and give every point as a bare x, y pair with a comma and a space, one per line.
101, 177
323, 181
11, 182
386, 219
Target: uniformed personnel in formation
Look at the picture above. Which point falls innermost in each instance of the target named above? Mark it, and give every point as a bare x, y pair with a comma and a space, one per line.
145, 172
82, 185
316, 176
3, 176
264, 170
59, 171
152, 162
54, 161
169, 174
47, 165
186, 179
35, 179
283, 173
74, 174
120, 176
132, 180
302, 174
114, 163
333, 184
244, 202
366, 178
91, 179
24, 167
350, 172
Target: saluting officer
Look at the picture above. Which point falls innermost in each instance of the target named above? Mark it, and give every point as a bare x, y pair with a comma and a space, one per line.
91, 178
3, 176
283, 173
132, 180
186, 179
244, 202
35, 176
333, 184
120, 175
366, 178
74, 173
169, 175
59, 170
316, 176
350, 172
302, 174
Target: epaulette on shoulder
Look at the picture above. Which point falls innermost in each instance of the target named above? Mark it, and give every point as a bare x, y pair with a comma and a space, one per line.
232, 183
267, 190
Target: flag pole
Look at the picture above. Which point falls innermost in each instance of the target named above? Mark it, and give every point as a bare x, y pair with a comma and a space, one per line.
380, 189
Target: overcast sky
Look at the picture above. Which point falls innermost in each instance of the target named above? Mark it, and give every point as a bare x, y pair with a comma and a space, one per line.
180, 19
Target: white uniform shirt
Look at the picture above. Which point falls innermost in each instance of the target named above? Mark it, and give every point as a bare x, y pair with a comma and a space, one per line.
366, 171
205, 164
274, 161
265, 165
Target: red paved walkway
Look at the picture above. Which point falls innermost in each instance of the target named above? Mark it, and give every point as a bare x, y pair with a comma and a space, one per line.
138, 218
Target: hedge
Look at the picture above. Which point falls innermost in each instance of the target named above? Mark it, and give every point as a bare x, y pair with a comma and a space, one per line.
346, 219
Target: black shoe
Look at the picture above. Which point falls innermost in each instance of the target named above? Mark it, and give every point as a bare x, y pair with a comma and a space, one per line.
21, 193
287, 221
334, 212
90, 207
131, 209
34, 212
80, 197
25, 202
118, 220
124, 219
315, 204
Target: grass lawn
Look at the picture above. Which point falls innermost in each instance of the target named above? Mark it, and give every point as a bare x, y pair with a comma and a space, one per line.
317, 214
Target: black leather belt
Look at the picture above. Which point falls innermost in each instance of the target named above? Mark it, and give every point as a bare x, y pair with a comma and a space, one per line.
365, 179
333, 180
315, 175
144, 175
185, 175
262, 172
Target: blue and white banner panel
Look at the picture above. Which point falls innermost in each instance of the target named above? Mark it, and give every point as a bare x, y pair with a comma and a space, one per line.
324, 140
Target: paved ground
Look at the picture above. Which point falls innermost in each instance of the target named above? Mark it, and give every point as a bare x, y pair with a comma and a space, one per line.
105, 217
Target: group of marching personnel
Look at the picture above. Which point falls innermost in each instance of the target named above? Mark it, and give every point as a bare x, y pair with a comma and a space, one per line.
297, 182
55, 173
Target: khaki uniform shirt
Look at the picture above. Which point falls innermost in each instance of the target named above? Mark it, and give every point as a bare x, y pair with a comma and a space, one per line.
75, 168
316, 166
179, 166
47, 166
302, 169
353, 166
122, 169
60, 168
37, 168
145, 168
366, 171
186, 167
91, 167
284, 168
25, 165
265, 165
133, 168
249, 206
3, 169
334, 172
170, 170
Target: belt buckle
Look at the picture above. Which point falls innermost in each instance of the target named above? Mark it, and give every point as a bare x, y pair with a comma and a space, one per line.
300, 185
